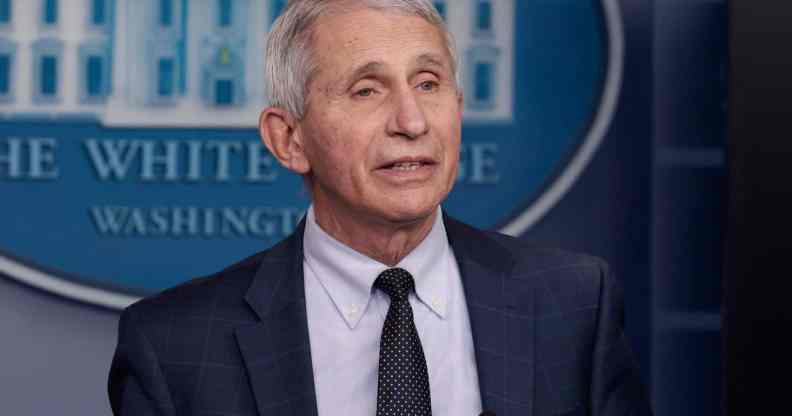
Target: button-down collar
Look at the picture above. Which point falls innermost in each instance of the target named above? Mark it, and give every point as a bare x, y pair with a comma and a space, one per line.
347, 276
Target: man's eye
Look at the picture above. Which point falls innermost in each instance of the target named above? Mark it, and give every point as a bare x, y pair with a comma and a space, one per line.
428, 85
365, 92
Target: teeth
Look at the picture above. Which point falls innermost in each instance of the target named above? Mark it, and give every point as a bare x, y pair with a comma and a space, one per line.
407, 166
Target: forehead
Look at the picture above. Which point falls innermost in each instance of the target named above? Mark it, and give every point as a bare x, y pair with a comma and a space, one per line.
351, 38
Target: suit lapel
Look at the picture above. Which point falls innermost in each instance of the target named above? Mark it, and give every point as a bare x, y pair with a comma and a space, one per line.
276, 350
501, 318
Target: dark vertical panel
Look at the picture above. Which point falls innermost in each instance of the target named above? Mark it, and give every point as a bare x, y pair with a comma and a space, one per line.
689, 204
756, 299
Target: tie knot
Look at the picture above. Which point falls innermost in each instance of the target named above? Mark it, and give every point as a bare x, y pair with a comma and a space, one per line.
396, 282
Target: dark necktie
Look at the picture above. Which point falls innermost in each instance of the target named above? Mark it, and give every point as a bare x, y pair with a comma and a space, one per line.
403, 384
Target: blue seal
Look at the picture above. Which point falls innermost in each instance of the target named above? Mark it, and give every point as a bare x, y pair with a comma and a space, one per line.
123, 173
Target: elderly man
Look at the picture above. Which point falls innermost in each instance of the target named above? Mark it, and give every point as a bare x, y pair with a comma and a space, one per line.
378, 304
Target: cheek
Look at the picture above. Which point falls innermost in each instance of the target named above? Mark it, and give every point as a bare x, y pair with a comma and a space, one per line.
339, 155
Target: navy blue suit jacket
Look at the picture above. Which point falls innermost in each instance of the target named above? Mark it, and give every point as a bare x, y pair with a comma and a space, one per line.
547, 330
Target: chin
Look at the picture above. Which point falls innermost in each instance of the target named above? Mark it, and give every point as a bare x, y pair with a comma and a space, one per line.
406, 212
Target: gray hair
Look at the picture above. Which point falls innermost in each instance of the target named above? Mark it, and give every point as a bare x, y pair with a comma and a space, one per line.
289, 62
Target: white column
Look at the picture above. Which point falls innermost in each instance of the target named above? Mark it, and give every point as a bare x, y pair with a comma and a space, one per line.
71, 24
24, 31
257, 37
119, 75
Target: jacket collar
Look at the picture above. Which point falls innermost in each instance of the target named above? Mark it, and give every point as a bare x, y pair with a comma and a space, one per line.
278, 282
276, 350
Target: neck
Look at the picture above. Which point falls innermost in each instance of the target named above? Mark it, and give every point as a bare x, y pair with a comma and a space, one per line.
381, 240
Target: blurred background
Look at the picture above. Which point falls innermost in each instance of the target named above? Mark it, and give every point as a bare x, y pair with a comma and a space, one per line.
129, 162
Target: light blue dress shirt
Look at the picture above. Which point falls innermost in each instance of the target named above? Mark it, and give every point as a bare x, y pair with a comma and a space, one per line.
346, 314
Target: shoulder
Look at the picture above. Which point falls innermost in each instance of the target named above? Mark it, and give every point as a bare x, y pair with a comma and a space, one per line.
563, 280
568, 286
533, 258
219, 295
542, 267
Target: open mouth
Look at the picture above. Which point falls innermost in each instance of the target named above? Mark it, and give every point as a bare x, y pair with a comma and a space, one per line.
407, 165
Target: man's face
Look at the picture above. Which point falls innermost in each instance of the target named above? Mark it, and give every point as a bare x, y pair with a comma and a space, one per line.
382, 130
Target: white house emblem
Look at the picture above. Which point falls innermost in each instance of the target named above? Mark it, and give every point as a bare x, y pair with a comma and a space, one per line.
129, 160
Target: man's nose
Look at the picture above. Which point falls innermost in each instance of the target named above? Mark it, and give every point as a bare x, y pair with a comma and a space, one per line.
407, 119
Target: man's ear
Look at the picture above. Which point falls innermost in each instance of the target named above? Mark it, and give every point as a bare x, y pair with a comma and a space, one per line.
279, 132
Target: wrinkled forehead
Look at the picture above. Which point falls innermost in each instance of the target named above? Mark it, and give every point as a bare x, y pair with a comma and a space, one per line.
354, 36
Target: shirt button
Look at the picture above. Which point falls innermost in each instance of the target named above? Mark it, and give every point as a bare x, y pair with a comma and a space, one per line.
352, 312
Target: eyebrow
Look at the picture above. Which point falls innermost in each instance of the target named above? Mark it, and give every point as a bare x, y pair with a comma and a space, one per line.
364, 70
373, 67
431, 59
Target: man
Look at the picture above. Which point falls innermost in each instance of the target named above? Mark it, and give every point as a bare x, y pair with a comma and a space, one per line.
378, 304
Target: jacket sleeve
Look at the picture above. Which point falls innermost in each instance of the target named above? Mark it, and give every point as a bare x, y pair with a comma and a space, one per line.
616, 385
136, 385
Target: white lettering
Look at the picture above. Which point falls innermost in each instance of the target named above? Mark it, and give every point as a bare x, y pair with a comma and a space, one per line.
223, 152
194, 222
12, 158
194, 149
42, 158
478, 164
168, 159
33, 158
112, 157
184, 221
260, 163
483, 163
109, 220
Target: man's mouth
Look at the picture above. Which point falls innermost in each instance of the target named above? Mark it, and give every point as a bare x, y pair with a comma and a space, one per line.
407, 165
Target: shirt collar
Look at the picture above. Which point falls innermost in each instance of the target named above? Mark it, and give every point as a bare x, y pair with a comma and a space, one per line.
348, 276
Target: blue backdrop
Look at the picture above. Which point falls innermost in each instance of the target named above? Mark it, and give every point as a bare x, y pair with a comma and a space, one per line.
591, 125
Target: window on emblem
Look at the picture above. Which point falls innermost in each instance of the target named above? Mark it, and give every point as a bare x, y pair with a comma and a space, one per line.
166, 13
484, 16
225, 13
5, 74
224, 92
166, 81
94, 76
50, 12
483, 88
5, 12
98, 12
48, 84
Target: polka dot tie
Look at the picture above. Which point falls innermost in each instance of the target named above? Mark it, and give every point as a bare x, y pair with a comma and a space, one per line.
403, 385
